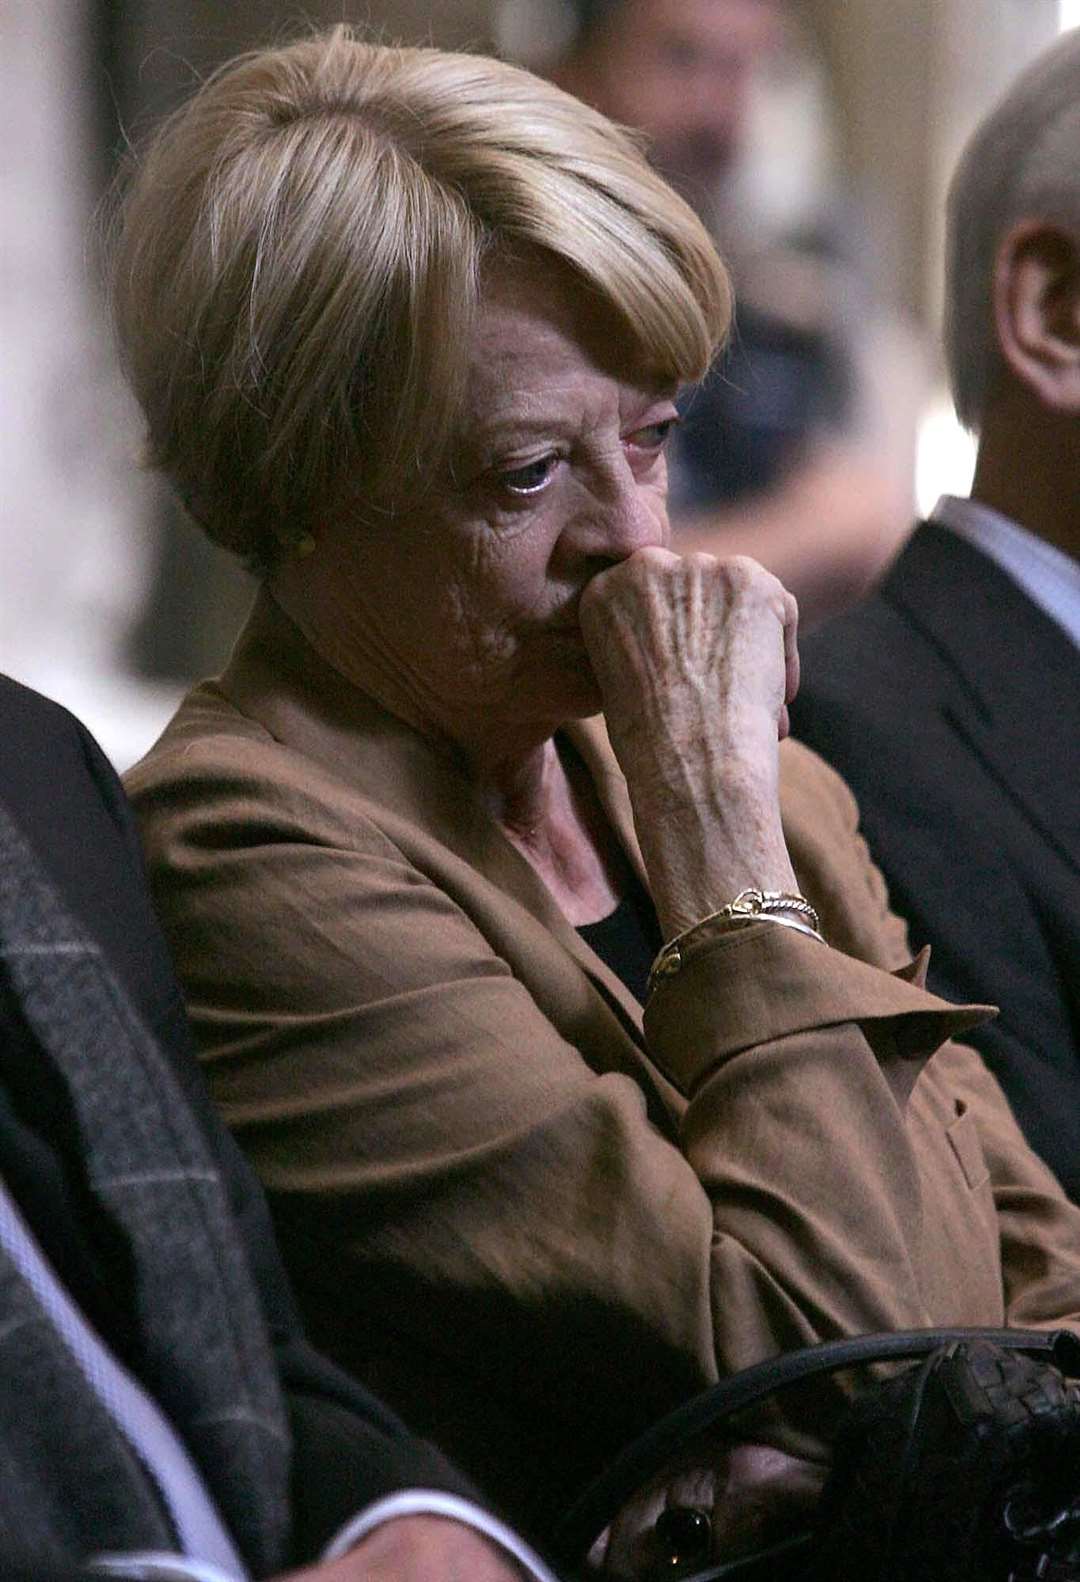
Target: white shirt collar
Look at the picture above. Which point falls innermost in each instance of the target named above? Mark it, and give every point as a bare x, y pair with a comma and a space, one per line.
1049, 577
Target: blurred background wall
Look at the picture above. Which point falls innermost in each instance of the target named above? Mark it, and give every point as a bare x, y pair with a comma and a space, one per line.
109, 600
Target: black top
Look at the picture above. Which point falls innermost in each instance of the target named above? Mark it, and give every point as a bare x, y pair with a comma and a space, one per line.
628, 939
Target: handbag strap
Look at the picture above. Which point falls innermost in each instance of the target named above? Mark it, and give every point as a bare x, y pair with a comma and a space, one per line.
652, 1450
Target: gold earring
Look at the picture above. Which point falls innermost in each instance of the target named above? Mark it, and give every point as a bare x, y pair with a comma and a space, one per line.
304, 546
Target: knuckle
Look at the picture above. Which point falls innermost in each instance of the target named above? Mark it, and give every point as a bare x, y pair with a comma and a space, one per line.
741, 575
745, 567
652, 557
700, 560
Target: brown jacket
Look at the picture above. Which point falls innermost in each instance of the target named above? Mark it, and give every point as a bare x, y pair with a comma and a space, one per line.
532, 1222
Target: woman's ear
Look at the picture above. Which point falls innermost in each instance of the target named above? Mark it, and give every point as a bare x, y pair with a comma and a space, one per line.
1037, 310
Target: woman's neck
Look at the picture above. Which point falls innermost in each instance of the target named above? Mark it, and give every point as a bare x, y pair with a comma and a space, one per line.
521, 788
548, 809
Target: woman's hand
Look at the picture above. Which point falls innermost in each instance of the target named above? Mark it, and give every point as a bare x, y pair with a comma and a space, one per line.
752, 1495
696, 661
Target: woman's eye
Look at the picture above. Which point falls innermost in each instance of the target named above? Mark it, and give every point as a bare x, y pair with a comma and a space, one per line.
531, 478
653, 436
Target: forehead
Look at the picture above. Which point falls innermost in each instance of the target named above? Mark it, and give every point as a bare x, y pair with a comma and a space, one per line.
539, 332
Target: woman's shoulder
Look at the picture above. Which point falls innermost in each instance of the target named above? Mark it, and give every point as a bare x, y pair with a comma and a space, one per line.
820, 815
210, 747
206, 725
217, 777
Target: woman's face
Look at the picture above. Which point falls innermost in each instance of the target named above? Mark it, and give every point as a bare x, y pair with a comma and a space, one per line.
467, 607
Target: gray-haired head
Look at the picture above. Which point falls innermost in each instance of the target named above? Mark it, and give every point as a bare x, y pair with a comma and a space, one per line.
1023, 162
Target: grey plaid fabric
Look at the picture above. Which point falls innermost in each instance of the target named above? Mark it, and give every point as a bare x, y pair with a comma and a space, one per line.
194, 1517
71, 1484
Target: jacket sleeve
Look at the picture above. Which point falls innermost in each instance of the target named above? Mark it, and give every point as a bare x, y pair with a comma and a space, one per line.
1038, 1226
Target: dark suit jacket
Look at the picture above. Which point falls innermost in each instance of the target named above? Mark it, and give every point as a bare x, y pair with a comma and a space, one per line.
68, 803
951, 704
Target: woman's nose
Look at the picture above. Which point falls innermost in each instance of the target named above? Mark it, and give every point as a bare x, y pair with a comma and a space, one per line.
619, 520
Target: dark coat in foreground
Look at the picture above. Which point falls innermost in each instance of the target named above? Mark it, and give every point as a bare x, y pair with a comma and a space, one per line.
145, 1209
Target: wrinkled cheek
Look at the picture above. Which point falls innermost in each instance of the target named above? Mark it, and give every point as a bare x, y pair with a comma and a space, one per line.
484, 648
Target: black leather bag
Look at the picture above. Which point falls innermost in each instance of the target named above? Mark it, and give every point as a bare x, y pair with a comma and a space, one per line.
965, 1468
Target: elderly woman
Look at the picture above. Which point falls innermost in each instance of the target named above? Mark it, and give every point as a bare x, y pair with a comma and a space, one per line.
407, 328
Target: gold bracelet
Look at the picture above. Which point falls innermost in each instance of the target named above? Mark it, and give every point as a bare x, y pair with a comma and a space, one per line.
762, 903
749, 906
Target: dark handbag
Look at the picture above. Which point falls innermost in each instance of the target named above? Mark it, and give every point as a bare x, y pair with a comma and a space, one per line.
963, 1469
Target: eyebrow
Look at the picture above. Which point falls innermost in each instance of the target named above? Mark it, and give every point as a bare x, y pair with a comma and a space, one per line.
520, 418
518, 424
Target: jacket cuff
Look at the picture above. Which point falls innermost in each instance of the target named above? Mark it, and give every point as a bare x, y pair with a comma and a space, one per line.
434, 1502
741, 988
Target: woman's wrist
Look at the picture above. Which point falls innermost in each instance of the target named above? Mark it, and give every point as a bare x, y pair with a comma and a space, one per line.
697, 865
707, 814
677, 917
779, 908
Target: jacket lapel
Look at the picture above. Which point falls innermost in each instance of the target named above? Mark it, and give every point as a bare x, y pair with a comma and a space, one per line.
1017, 705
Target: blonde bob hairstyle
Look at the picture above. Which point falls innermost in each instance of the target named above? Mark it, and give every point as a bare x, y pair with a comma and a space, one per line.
1023, 162
297, 262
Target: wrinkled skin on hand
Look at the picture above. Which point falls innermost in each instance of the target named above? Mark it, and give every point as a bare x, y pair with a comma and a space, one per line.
707, 644
754, 1495
696, 660
417, 1549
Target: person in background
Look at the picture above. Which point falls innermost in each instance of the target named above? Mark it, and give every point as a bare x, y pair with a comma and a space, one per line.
163, 1414
951, 701
768, 460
